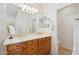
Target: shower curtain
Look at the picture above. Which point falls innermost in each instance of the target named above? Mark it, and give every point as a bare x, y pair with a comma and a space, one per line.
76, 38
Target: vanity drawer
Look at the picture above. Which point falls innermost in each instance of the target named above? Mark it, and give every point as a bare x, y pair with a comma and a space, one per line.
42, 40
20, 51
32, 42
15, 46
29, 42
35, 41
48, 38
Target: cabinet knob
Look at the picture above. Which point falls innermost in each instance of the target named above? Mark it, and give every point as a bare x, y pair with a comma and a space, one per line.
23, 49
32, 49
17, 46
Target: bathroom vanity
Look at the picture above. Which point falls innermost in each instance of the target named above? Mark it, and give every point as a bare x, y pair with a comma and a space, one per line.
35, 44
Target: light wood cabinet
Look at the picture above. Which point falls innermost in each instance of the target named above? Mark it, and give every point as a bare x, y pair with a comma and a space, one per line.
15, 46
20, 51
32, 48
41, 46
44, 45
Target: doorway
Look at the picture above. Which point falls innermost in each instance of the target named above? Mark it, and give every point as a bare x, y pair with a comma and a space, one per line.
66, 16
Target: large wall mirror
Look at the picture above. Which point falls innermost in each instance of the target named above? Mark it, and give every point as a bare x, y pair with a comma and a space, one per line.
41, 24
44, 22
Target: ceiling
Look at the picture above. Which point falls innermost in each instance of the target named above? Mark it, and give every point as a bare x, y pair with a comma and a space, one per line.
58, 5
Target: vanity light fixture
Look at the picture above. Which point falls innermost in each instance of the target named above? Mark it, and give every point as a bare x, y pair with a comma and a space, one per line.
29, 9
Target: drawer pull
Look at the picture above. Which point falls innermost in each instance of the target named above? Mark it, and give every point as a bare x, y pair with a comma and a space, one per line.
32, 49
17, 46
23, 49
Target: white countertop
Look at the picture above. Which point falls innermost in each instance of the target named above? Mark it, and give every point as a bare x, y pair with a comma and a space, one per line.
25, 38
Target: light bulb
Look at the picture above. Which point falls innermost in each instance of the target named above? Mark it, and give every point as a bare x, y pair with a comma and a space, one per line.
24, 7
36, 10
32, 9
28, 8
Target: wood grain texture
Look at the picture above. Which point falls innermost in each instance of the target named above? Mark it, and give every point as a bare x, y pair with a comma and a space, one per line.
64, 51
41, 46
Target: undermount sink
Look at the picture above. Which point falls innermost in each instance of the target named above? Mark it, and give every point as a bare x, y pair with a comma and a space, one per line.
28, 36
39, 33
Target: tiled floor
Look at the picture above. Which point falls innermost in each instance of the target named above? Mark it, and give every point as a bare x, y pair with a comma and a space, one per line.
63, 51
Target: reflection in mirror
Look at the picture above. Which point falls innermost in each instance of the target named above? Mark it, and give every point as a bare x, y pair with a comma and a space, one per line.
33, 25
44, 22
11, 30
41, 25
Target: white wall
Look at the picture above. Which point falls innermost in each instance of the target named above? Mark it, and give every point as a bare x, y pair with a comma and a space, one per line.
2, 26
65, 25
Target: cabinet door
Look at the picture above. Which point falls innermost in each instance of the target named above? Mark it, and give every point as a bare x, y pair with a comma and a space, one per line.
29, 42
44, 45
41, 43
48, 43
33, 48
